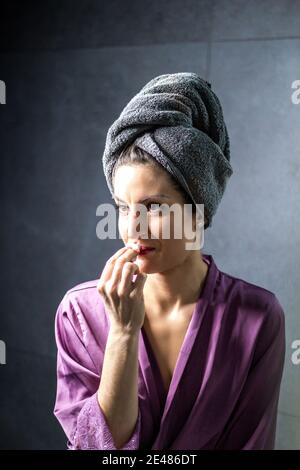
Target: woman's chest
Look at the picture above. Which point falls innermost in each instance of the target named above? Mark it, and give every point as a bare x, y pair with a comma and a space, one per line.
166, 337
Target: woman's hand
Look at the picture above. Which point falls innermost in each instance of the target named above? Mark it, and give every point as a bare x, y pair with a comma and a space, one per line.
123, 298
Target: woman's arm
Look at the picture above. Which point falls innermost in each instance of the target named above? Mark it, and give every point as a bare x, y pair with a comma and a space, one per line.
118, 391
78, 383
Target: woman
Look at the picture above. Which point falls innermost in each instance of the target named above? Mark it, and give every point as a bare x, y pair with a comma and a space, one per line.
165, 351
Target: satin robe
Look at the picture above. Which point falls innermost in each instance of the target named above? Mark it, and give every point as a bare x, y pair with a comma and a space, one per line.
225, 387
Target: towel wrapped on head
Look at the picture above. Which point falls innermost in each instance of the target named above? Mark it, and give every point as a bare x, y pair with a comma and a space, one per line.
178, 120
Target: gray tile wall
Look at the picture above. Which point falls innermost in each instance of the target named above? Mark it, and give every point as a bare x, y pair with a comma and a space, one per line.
69, 69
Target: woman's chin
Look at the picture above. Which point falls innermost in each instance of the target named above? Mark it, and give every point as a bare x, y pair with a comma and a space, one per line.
142, 263
145, 265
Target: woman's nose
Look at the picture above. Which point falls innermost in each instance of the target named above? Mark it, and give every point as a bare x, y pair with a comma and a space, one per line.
137, 223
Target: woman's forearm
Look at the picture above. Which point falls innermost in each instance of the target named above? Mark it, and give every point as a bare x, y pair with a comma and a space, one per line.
118, 389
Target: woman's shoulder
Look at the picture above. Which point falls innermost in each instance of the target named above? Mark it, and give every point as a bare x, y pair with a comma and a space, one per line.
83, 308
82, 293
83, 287
241, 293
255, 304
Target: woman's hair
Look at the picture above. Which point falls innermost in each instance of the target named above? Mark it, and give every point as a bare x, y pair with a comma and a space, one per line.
132, 154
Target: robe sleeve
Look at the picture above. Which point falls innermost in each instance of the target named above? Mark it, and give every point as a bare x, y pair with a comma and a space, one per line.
252, 425
76, 406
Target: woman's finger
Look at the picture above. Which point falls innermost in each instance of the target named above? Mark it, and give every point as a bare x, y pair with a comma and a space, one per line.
128, 256
138, 285
109, 266
126, 284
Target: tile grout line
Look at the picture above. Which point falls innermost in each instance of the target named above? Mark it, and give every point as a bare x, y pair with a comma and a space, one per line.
119, 46
208, 54
288, 414
274, 38
29, 353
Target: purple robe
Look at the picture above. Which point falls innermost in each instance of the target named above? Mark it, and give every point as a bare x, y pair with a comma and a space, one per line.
225, 387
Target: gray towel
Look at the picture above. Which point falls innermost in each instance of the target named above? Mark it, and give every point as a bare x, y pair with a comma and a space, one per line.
178, 120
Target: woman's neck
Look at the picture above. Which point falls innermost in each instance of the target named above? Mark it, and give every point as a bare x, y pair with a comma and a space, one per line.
173, 290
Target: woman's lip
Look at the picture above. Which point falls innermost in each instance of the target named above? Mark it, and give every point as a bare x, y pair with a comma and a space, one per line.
144, 252
139, 248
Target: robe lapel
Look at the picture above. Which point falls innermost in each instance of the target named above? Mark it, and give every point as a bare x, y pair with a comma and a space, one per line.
172, 409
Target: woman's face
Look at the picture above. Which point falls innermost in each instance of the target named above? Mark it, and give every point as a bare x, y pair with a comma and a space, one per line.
147, 185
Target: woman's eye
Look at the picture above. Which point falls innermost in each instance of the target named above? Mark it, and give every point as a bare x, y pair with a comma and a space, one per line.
155, 207
122, 208
151, 207
119, 206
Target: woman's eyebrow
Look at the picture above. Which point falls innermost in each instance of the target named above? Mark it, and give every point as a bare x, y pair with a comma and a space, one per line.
146, 198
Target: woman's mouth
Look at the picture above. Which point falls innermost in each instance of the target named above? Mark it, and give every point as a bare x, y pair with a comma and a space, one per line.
141, 249
145, 251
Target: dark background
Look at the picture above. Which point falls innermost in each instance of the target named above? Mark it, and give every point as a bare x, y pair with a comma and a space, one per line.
69, 68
